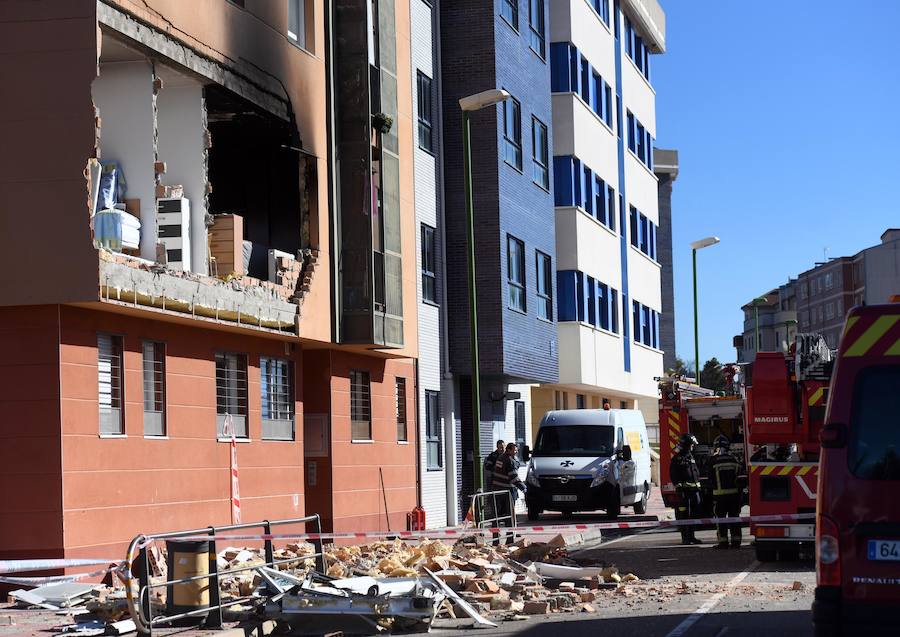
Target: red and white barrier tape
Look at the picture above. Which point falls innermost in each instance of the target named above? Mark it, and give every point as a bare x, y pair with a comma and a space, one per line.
518, 530
22, 566
59, 579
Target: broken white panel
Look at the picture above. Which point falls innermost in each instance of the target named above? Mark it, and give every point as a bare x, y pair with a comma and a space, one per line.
123, 93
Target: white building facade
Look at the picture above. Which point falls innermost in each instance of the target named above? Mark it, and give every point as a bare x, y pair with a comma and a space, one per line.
608, 277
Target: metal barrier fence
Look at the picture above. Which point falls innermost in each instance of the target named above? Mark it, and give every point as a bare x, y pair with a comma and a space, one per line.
492, 509
141, 609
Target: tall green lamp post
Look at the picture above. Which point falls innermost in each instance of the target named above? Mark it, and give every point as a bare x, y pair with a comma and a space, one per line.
468, 104
698, 245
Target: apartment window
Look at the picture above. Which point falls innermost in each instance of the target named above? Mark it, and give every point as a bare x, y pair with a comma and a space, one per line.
515, 264
557, 400
584, 299
429, 279
829, 310
537, 25
426, 112
636, 49
519, 411
602, 7
231, 393
803, 291
643, 232
154, 388
509, 9
645, 323
400, 397
433, 436
632, 144
110, 381
512, 133
829, 280
540, 154
565, 400
544, 286
297, 22
360, 406
277, 397
579, 401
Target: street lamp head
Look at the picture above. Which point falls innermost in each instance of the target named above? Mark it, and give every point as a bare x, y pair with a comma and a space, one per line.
483, 99
704, 243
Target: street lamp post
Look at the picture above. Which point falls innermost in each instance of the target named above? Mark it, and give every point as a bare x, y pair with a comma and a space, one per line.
698, 245
469, 104
756, 303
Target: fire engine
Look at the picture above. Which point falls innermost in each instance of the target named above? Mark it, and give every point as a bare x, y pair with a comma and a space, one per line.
685, 407
785, 412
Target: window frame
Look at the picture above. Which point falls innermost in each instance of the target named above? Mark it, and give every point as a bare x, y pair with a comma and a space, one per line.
514, 284
360, 406
538, 9
223, 399
282, 367
401, 410
512, 110
116, 384
520, 426
299, 37
540, 160
159, 354
428, 236
512, 6
433, 432
425, 98
544, 288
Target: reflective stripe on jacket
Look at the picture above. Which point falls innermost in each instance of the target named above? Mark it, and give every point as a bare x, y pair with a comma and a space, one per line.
724, 471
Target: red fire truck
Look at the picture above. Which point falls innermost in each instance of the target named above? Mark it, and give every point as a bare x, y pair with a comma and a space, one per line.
688, 408
785, 412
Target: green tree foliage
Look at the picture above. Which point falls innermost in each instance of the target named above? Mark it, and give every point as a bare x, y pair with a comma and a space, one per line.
712, 376
679, 368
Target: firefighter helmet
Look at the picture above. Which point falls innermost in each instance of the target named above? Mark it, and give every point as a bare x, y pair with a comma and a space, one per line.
687, 440
721, 443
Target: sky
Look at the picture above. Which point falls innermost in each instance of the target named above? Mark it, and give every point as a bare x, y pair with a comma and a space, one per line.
785, 118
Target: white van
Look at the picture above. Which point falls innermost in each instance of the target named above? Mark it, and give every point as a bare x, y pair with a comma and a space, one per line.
589, 459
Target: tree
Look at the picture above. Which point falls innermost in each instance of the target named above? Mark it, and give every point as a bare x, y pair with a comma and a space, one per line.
679, 369
712, 376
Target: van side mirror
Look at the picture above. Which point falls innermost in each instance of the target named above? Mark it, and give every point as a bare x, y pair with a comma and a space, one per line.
833, 435
625, 454
526, 453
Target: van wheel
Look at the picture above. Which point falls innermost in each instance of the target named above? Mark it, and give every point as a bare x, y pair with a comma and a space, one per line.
640, 507
765, 554
615, 507
534, 514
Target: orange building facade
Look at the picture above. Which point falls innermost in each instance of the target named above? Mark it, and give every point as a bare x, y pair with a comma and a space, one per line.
120, 362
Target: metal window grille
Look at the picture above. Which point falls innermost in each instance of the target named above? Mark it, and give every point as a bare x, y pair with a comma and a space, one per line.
360, 406
277, 394
433, 435
231, 392
429, 279
109, 377
154, 388
400, 396
515, 251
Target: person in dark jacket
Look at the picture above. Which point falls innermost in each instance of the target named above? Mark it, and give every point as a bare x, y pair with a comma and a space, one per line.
725, 474
489, 465
685, 475
506, 477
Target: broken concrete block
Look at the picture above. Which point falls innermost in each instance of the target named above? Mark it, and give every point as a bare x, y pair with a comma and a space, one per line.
796, 586
588, 596
588, 608
536, 608
567, 586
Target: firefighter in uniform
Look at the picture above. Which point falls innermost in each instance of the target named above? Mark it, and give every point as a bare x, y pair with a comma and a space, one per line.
725, 475
685, 476
506, 477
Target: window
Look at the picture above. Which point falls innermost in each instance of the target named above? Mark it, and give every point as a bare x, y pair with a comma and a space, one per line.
519, 407
643, 232
426, 112
874, 438
544, 286
584, 299
645, 323
512, 133
576, 185
565, 400
586, 81
640, 142
636, 49
433, 436
579, 401
537, 26
110, 377
429, 279
829, 310
602, 7
297, 22
400, 397
360, 406
629, 119
803, 291
540, 154
231, 393
154, 388
277, 397
829, 280
557, 400
515, 263
509, 9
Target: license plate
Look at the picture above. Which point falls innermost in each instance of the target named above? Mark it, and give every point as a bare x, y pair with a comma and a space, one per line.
884, 550
565, 498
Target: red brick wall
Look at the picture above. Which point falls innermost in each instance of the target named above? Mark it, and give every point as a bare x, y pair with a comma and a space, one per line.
117, 488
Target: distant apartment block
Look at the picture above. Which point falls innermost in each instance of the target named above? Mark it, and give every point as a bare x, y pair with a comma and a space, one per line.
665, 167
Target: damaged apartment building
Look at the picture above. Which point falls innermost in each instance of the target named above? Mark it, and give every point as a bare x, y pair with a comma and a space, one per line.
207, 231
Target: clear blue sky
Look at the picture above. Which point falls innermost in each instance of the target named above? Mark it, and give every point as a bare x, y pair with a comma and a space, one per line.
785, 116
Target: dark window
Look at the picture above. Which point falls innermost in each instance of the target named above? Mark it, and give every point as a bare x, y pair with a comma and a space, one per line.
607, 116
433, 436
296, 22
540, 154
611, 206
602, 7
579, 401
775, 488
231, 394
874, 437
360, 406
585, 80
544, 286
537, 25
634, 226
509, 9
512, 132
400, 396
110, 380
632, 145
277, 396
426, 112
520, 425
515, 263
600, 201
154, 388
429, 279
575, 440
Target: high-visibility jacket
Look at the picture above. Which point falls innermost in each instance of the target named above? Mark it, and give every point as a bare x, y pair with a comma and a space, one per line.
684, 471
724, 472
506, 474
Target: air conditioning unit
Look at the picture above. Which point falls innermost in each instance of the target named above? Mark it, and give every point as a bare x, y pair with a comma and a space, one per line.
173, 230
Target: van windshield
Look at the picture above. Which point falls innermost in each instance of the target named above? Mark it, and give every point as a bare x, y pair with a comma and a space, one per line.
575, 440
874, 429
